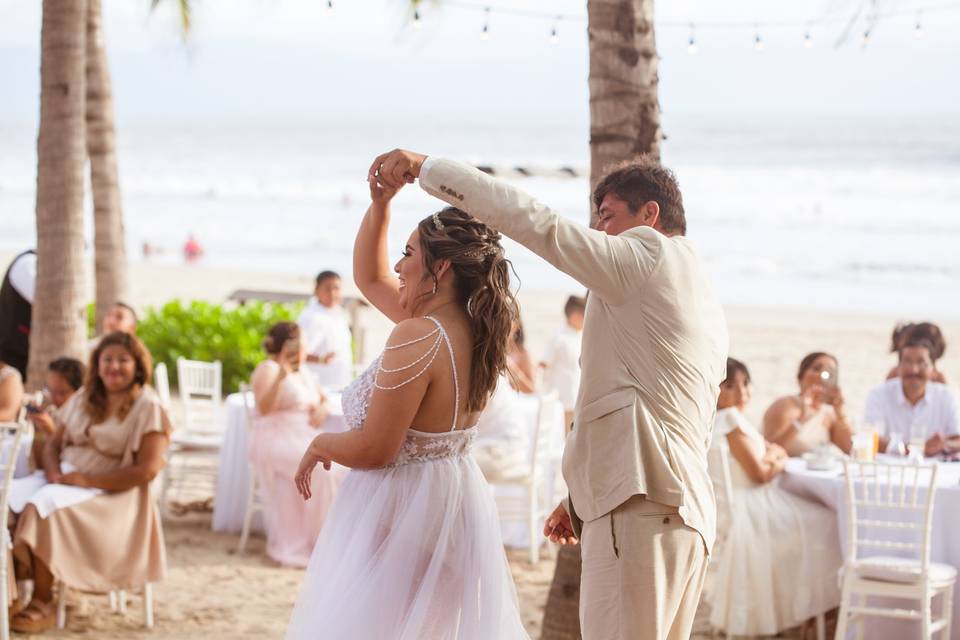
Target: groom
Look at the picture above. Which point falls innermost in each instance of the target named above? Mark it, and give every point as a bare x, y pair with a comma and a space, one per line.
653, 355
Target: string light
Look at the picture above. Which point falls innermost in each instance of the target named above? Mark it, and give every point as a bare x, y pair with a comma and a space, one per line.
873, 18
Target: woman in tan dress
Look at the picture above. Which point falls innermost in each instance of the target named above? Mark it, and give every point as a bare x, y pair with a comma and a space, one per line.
815, 416
111, 439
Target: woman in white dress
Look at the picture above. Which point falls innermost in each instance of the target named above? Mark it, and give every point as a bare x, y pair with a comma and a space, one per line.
777, 560
411, 548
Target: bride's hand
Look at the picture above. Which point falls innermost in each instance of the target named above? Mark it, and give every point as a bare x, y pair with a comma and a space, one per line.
380, 193
305, 472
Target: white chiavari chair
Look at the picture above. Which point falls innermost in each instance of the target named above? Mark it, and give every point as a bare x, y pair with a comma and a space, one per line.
890, 509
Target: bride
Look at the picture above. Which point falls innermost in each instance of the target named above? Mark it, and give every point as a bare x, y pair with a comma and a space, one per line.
411, 548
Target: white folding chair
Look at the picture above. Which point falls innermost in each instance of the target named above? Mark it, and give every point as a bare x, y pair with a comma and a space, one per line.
254, 501
890, 507
534, 502
11, 438
161, 382
194, 447
718, 464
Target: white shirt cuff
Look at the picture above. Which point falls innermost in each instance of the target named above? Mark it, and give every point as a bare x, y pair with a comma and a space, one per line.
425, 168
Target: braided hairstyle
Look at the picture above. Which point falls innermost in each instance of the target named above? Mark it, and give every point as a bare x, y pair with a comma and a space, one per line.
482, 282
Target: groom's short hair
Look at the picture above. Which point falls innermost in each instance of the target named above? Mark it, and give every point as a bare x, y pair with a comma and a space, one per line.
641, 180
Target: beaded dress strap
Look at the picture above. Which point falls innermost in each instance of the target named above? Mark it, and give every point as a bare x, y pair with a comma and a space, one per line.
453, 365
431, 353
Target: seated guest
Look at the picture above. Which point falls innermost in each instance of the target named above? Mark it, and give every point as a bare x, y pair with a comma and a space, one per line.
326, 333
924, 331
120, 317
778, 560
912, 402
102, 532
522, 375
291, 409
64, 378
561, 362
502, 447
11, 393
815, 416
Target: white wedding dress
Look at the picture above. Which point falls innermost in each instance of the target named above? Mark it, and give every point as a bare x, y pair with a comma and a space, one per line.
411, 551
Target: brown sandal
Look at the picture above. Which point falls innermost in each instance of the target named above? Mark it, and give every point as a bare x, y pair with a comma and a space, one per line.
37, 617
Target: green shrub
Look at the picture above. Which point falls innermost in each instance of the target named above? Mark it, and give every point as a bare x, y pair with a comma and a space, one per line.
208, 332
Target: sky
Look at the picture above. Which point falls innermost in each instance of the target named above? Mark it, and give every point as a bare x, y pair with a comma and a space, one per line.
293, 58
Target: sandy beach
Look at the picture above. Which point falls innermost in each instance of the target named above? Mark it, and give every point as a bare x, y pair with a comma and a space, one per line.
212, 592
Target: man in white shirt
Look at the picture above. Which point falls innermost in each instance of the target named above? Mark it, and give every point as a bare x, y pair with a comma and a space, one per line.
911, 402
561, 361
326, 333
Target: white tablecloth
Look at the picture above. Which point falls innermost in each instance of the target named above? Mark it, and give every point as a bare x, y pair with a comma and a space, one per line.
233, 474
829, 489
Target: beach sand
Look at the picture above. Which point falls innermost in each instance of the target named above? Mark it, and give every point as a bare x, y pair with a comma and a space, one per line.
212, 592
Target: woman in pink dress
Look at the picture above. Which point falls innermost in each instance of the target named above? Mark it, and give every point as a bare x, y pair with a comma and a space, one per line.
290, 410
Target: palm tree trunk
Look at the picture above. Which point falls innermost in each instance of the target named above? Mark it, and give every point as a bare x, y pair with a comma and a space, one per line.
59, 314
110, 258
624, 123
624, 109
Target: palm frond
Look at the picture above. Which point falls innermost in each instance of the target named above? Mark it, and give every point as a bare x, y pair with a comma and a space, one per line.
186, 14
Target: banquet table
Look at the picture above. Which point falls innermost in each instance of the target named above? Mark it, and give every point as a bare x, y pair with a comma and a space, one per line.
828, 488
233, 474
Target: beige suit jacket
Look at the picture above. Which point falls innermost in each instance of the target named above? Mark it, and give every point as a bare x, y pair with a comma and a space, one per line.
653, 353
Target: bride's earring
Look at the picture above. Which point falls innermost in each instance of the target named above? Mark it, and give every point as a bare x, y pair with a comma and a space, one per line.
434, 292
470, 304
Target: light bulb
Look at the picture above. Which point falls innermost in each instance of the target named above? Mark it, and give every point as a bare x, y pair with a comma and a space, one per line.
807, 40
554, 36
918, 30
329, 6
757, 43
485, 33
416, 19
692, 46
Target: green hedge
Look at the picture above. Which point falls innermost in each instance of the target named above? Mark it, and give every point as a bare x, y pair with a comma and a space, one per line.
208, 332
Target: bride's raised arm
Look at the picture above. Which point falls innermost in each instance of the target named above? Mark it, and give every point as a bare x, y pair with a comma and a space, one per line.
371, 263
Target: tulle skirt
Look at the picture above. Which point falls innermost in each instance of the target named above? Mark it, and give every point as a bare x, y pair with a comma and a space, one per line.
777, 566
411, 552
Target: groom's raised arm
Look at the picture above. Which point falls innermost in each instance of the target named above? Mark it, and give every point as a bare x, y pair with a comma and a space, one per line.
610, 266
613, 267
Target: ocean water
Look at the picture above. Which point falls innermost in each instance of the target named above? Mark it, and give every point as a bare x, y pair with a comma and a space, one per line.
833, 214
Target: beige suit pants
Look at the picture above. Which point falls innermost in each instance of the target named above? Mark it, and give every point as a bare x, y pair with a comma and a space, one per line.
643, 571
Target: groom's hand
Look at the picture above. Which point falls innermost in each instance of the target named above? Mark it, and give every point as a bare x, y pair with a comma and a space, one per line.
559, 528
396, 168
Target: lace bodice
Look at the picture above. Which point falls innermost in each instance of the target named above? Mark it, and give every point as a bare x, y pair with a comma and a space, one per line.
418, 446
